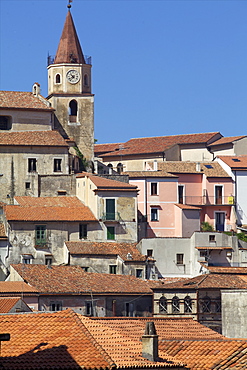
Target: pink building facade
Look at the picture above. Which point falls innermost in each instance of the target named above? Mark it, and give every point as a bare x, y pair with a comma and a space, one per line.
174, 200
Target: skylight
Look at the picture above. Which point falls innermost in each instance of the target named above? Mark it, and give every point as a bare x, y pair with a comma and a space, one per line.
236, 160
208, 166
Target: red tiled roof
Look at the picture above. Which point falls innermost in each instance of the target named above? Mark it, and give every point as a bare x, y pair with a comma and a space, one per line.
48, 209
209, 169
32, 138
185, 206
69, 45
207, 281
157, 284
226, 140
72, 279
16, 287
50, 340
235, 162
208, 355
226, 270
106, 148
22, 100
161, 143
107, 184
133, 174
105, 248
7, 303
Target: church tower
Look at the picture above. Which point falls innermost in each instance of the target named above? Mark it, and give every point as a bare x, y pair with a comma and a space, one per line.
69, 89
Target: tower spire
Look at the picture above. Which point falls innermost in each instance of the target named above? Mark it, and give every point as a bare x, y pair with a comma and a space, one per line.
69, 48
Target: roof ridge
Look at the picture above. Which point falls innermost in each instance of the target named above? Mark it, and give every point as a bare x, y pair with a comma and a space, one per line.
86, 331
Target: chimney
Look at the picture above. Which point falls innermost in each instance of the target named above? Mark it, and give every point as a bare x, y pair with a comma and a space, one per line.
36, 89
150, 342
198, 167
155, 165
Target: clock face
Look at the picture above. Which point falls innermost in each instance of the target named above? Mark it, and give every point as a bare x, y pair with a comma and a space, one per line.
73, 76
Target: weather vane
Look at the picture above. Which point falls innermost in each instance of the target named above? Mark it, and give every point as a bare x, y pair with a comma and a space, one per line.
69, 4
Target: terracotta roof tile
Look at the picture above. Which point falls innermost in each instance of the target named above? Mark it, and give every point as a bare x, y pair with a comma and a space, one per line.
105, 248
49, 340
206, 281
235, 162
7, 287
209, 169
105, 148
32, 138
185, 206
48, 209
161, 143
226, 140
106, 184
226, 270
22, 100
159, 173
73, 279
7, 303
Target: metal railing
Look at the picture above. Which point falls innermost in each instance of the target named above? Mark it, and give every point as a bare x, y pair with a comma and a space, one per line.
109, 216
51, 60
208, 200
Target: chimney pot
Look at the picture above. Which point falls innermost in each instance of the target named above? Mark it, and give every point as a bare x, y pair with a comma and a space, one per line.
150, 342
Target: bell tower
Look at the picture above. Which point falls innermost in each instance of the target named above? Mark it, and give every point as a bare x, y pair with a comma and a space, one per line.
69, 89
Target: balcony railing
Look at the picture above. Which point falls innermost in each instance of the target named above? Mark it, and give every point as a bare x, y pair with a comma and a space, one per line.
51, 59
109, 216
207, 200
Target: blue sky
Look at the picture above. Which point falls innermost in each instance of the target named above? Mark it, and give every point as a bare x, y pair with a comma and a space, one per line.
159, 67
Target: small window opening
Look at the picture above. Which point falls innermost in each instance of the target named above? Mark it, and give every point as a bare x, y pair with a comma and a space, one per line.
154, 214
28, 185
57, 165
32, 164
48, 261
154, 188
187, 304
119, 168
56, 306
58, 78
73, 111
180, 258
82, 231
175, 305
212, 238
5, 123
163, 305
139, 273
150, 252
85, 80
112, 269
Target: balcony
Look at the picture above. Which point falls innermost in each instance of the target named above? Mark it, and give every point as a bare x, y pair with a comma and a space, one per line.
206, 200
109, 216
51, 59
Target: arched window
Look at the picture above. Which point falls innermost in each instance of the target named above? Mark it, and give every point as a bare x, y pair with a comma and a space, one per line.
175, 304
187, 304
120, 168
58, 78
163, 305
73, 111
85, 80
206, 304
109, 165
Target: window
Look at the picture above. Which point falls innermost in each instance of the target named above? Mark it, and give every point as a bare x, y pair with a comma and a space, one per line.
85, 80
218, 194
28, 185
58, 78
82, 231
187, 304
149, 252
32, 164
26, 259
110, 233
212, 238
89, 308
206, 304
112, 269
154, 188
139, 273
163, 305
40, 234
5, 123
110, 209
56, 306
154, 214
180, 194
218, 305
180, 258
85, 268
73, 111
119, 168
48, 260
57, 165
129, 309
175, 304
